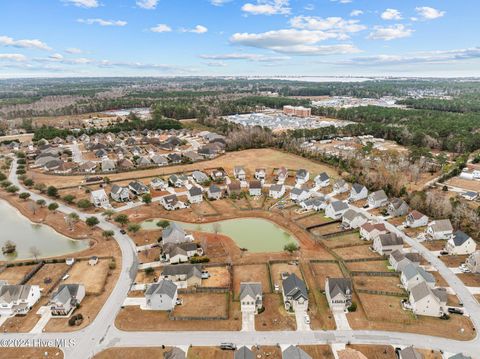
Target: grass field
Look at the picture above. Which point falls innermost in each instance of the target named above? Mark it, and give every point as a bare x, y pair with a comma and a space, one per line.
369, 266
219, 277
388, 284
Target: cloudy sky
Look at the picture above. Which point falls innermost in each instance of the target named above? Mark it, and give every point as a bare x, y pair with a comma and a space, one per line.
239, 37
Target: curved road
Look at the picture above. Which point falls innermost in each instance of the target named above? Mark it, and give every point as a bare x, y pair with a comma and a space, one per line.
102, 333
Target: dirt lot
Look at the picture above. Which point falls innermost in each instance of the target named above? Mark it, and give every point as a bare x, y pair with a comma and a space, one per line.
13, 275
275, 317
50, 271
92, 277
217, 353
357, 252
250, 273
204, 209
385, 313
375, 351
30, 353
470, 279
132, 318
328, 229
131, 353
369, 266
453, 261
219, 277
277, 269
321, 271
318, 351
469, 185
149, 255
202, 305
388, 284
352, 239
434, 245
313, 219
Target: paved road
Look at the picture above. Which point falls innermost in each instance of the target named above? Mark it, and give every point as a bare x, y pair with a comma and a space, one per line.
102, 333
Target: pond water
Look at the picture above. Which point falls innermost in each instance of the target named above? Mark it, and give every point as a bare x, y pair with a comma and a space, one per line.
25, 234
254, 234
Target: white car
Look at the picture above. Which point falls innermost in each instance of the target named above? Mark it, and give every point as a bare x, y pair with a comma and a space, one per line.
306, 319
277, 287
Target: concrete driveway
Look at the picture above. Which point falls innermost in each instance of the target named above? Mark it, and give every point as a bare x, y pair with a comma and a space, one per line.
248, 321
45, 317
300, 318
341, 320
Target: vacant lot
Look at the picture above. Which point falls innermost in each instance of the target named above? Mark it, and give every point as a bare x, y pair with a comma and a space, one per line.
217, 353
321, 271
219, 277
131, 353
312, 219
14, 275
278, 268
434, 245
48, 275
202, 305
388, 284
345, 239
204, 209
250, 273
375, 351
369, 266
275, 317
29, 353
470, 185
92, 277
470, 279
357, 252
318, 351
149, 255
453, 261
327, 229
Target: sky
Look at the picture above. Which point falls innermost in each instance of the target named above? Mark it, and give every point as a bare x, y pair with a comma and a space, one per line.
60, 38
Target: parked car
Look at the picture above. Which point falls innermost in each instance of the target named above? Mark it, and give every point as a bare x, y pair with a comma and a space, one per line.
276, 287
455, 311
228, 346
443, 253
205, 275
122, 231
306, 319
179, 301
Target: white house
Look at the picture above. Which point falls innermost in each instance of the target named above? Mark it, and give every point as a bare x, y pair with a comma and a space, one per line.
18, 299
314, 204
416, 219
460, 244
171, 202
440, 229
251, 297
340, 186
120, 194
255, 188
353, 219
260, 174
66, 298
386, 243
294, 292
358, 192
99, 198
339, 293
282, 174
276, 191
181, 252
161, 295
377, 199
369, 231
397, 207
336, 209
427, 301
412, 275
299, 194
214, 192
473, 262
239, 173
322, 180
178, 180
302, 176
158, 184
195, 195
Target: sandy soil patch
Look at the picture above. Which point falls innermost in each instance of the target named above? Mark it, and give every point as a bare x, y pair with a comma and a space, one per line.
318, 351
131, 353
470, 279
29, 353
376, 351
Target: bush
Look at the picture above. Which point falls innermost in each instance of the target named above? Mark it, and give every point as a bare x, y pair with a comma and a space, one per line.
75, 320
352, 307
52, 191
84, 203
195, 260
163, 223
149, 271
112, 264
290, 247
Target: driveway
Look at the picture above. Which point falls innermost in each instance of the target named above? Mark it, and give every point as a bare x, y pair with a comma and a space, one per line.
248, 321
141, 301
341, 320
45, 317
300, 318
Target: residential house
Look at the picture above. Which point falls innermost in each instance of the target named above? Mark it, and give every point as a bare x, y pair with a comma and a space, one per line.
171, 202
174, 158
66, 299
88, 167
353, 219
386, 243
108, 165
192, 156
234, 188
255, 188
138, 188
195, 195
174, 234
377, 199
293, 352
340, 186
302, 176
412, 275
243, 353
251, 296
162, 295
158, 184
184, 275
18, 299
92, 261
125, 164
399, 260
99, 198
214, 192
427, 301
369, 231
473, 262
239, 173
322, 180
470, 195
460, 244
358, 192
178, 180
260, 174
459, 356
276, 191
159, 160
175, 353
409, 353
217, 175
336, 209
299, 194
314, 203
416, 219
143, 161
295, 295
339, 293
440, 229
180, 253
397, 207
281, 174
120, 194
199, 177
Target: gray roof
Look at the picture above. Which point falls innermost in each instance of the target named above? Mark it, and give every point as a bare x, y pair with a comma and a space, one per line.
340, 182
442, 225
339, 206
410, 353
174, 231
189, 270
294, 287
314, 201
397, 255
250, 288
379, 195
390, 239
459, 356
460, 237
410, 271
422, 290
293, 352
297, 191
10, 292
243, 353
199, 176
255, 184
357, 187
323, 177
276, 187
397, 203
214, 189
339, 285
166, 287
65, 293
351, 214
301, 173
175, 353
195, 191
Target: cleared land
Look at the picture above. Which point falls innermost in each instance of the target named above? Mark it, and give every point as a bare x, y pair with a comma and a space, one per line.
275, 317
357, 252
202, 305
219, 277
131, 353
470, 185
318, 351
29, 353
14, 275
375, 351
92, 277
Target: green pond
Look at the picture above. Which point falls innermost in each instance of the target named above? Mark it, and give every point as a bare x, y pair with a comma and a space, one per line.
25, 234
254, 234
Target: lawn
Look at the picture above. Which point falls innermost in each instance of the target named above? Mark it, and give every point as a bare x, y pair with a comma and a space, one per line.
357, 252
14, 275
388, 284
321, 271
202, 305
250, 273
219, 277
368, 266
344, 239
92, 277
275, 317
278, 268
